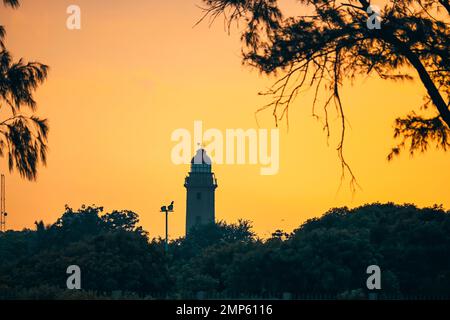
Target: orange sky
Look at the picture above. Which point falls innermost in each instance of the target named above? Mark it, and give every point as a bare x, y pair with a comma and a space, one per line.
138, 70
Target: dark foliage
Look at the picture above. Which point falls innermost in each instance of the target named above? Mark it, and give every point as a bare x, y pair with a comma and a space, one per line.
112, 252
331, 42
324, 256
23, 137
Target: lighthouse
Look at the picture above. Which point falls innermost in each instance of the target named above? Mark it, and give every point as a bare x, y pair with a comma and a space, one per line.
200, 185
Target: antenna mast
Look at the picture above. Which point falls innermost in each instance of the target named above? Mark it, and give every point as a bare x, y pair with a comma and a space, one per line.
3, 213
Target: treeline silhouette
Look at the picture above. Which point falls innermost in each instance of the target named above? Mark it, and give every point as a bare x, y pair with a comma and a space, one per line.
324, 256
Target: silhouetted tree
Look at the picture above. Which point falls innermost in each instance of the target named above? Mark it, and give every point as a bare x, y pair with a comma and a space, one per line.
201, 260
12, 4
112, 251
332, 42
23, 138
203, 236
123, 220
324, 256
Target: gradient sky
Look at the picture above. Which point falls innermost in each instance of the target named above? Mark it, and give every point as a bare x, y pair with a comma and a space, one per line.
139, 70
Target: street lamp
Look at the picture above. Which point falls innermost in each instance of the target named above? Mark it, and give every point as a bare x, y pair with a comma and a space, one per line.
166, 210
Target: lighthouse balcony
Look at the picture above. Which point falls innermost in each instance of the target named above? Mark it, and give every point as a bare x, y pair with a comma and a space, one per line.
206, 181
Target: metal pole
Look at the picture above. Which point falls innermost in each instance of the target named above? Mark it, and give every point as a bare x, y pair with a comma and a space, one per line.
2, 205
167, 231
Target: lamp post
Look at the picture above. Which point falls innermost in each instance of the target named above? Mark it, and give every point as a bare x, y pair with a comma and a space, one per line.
166, 210
3, 213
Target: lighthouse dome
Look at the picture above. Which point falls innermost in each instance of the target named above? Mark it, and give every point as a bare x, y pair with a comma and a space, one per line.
201, 157
201, 162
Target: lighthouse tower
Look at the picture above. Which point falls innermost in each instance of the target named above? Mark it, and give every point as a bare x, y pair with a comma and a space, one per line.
200, 185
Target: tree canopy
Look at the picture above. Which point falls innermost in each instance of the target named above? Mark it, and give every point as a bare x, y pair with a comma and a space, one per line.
23, 137
326, 256
332, 42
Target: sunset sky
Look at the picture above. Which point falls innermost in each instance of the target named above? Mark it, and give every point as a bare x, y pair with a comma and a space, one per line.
138, 70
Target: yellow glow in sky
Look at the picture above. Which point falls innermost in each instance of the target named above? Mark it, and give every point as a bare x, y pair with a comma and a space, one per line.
138, 70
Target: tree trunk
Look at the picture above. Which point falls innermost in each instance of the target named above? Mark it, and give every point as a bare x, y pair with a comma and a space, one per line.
433, 92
